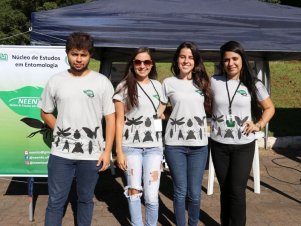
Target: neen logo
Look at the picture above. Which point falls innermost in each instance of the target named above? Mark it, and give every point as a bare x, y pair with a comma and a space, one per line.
24, 101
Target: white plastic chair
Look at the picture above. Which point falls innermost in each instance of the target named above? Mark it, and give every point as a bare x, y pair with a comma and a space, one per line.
255, 168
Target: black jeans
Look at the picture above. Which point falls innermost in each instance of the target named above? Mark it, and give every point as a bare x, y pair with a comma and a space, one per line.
232, 165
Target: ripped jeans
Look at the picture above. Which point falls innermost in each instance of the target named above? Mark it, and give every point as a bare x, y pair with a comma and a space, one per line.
143, 163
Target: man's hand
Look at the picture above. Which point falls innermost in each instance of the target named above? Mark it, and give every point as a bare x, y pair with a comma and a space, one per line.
104, 160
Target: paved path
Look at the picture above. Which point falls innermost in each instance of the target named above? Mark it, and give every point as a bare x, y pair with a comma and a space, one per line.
278, 204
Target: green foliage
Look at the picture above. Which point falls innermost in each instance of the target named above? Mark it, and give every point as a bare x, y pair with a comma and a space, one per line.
15, 18
47, 6
12, 22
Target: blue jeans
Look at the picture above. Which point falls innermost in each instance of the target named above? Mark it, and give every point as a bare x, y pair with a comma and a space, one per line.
143, 163
61, 172
187, 165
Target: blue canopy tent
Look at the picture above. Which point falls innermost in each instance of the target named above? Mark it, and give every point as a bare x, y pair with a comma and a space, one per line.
267, 31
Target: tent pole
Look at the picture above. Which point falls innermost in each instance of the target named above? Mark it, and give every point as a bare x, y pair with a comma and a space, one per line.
262, 71
267, 82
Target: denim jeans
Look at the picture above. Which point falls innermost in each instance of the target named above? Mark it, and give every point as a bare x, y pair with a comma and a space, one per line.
232, 165
187, 165
61, 172
143, 163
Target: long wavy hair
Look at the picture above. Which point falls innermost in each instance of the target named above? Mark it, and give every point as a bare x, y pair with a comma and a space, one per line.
130, 81
199, 74
247, 76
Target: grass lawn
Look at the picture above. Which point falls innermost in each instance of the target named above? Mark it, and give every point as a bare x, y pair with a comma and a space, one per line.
285, 93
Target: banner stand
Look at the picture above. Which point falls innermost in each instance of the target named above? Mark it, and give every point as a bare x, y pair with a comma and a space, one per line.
30, 191
25, 71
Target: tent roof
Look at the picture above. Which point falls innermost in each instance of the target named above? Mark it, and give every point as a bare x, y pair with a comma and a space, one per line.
266, 30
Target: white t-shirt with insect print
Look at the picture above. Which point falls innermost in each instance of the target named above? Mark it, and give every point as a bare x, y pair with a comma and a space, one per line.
81, 103
241, 110
138, 129
187, 124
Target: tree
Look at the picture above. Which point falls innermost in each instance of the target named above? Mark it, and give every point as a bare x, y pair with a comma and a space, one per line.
15, 18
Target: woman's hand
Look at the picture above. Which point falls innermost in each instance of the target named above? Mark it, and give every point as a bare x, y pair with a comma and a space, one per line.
251, 127
121, 161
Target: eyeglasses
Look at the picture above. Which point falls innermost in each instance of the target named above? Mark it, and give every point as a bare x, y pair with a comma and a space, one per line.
147, 63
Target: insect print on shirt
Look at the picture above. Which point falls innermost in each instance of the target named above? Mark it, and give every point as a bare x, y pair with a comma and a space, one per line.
66, 145
175, 122
133, 122
241, 122
189, 123
190, 135
136, 136
126, 134
57, 141
76, 134
180, 136
157, 135
239, 133
199, 120
91, 134
148, 136
63, 132
219, 131
148, 122
229, 133
78, 148
201, 134
217, 119
171, 133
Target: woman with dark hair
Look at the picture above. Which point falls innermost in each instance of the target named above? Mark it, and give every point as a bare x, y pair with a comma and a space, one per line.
138, 135
186, 138
236, 116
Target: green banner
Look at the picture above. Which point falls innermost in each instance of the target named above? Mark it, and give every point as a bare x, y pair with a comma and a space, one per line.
25, 139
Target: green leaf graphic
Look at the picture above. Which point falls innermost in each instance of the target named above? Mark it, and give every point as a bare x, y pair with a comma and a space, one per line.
23, 101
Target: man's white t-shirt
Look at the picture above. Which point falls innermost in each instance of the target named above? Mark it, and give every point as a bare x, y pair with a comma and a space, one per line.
81, 103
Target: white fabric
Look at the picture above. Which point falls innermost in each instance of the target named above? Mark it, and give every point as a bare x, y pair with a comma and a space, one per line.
241, 110
187, 125
139, 130
81, 103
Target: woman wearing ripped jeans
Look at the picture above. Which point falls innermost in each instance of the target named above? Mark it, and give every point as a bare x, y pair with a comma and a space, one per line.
138, 135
